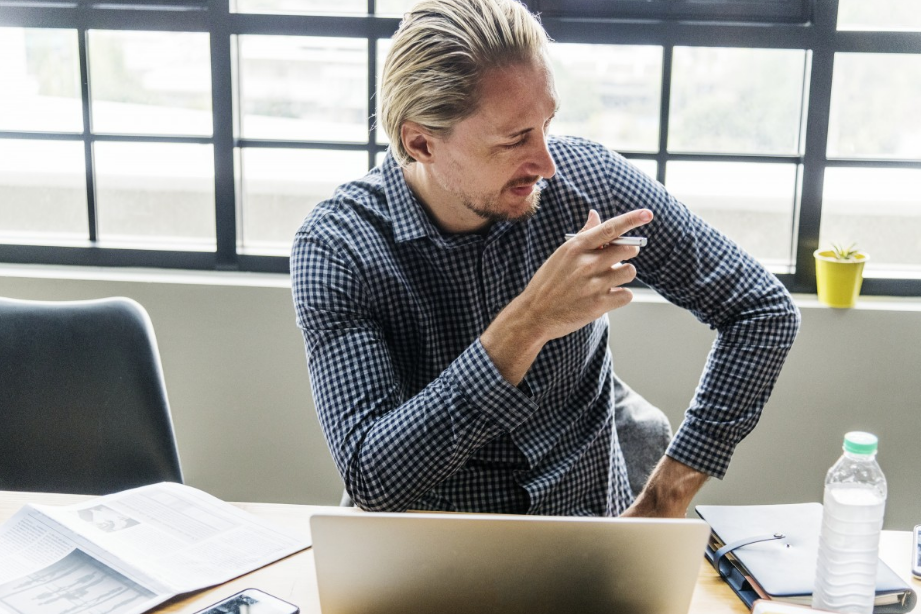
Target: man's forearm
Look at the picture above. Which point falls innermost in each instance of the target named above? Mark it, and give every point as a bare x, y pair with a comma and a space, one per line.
669, 491
510, 345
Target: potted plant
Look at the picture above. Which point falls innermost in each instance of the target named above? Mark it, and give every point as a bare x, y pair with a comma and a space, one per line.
839, 274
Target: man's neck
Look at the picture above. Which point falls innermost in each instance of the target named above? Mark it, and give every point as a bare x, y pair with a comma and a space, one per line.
442, 207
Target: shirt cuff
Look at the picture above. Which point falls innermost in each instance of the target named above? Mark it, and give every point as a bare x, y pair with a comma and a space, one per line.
700, 450
484, 388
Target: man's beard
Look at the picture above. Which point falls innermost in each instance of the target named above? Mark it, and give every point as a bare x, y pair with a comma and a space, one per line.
490, 210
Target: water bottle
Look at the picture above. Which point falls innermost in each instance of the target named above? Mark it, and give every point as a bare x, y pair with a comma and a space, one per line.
854, 502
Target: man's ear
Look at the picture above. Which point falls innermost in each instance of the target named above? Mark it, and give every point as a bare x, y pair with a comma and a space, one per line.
417, 141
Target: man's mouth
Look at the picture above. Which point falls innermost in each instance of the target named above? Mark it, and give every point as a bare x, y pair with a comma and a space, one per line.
523, 190
523, 187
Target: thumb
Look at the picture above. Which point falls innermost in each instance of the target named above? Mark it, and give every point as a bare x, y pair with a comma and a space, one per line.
593, 220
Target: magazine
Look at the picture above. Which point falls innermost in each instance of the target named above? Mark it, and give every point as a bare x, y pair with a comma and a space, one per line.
127, 552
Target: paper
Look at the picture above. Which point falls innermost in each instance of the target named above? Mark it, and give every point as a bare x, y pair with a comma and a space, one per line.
128, 552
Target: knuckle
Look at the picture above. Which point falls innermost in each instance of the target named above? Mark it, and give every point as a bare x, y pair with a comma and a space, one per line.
629, 272
610, 230
584, 268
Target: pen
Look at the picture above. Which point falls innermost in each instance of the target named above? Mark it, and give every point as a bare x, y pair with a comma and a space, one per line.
637, 241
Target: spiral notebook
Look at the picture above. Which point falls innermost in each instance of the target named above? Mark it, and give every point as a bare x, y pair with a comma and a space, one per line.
763, 566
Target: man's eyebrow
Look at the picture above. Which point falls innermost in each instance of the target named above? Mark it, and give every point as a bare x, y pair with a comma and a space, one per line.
512, 135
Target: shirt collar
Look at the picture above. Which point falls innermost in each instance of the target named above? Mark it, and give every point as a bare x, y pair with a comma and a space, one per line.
409, 219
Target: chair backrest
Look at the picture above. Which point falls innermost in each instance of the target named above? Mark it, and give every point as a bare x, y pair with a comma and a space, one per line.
83, 406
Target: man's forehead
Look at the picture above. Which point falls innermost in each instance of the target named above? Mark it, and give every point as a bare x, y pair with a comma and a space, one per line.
515, 98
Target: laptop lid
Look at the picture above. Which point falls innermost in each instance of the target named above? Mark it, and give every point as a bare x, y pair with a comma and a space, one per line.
479, 563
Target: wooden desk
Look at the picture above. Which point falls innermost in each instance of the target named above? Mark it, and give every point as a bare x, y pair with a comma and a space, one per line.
293, 578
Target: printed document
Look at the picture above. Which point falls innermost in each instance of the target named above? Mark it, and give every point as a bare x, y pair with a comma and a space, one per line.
128, 552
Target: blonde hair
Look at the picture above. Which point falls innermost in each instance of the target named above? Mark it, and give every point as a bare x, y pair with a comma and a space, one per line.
441, 53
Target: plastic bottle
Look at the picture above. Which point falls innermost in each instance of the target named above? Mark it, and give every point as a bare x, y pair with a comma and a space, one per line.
854, 503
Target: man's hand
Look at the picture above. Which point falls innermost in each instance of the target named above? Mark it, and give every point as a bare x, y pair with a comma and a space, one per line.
576, 285
668, 492
580, 282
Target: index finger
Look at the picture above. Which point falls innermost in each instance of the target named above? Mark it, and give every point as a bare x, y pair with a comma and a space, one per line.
614, 227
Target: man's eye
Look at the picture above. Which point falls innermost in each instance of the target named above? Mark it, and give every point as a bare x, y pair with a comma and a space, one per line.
518, 143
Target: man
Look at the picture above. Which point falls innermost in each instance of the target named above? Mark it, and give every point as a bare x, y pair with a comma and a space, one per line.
458, 346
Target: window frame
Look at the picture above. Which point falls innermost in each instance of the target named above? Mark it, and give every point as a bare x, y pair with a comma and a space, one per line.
739, 11
819, 37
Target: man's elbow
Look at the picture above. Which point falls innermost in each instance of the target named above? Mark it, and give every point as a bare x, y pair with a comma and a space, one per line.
792, 320
369, 497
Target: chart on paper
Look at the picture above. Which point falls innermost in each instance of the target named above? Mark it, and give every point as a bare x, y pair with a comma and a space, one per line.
76, 584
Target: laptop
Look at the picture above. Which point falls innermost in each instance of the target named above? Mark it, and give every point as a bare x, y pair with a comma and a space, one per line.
421, 563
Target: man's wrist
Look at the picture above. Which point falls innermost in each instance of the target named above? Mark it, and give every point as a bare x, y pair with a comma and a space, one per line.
670, 489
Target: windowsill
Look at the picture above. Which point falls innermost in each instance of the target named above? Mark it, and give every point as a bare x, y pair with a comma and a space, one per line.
278, 280
810, 301
145, 275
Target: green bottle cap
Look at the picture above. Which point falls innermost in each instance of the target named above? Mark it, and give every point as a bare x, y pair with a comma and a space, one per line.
858, 442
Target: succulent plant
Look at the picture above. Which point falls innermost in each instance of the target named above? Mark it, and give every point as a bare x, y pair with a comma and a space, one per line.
844, 253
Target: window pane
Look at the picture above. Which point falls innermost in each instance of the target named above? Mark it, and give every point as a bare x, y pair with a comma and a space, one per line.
42, 192
874, 106
744, 101
150, 82
300, 7
156, 195
904, 15
281, 186
394, 7
609, 93
304, 88
40, 73
750, 203
879, 209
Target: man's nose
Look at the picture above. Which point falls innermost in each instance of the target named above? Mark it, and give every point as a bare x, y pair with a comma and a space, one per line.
542, 162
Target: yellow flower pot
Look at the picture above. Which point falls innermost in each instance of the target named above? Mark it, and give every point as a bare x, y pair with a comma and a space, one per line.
838, 281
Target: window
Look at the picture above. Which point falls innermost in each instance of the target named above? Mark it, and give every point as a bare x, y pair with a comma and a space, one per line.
736, 101
42, 192
199, 133
609, 93
41, 80
891, 15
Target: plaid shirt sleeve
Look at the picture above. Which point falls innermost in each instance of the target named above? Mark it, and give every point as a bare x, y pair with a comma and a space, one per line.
390, 449
696, 267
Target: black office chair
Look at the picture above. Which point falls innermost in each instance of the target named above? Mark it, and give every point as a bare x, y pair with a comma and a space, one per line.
83, 405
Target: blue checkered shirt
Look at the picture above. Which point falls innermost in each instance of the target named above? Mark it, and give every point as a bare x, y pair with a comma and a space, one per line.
415, 413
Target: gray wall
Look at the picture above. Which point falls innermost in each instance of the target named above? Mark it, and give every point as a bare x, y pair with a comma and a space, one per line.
237, 380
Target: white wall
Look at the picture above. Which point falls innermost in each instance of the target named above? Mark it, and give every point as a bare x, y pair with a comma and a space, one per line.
237, 380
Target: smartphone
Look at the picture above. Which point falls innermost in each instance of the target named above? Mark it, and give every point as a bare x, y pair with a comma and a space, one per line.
916, 552
637, 241
251, 601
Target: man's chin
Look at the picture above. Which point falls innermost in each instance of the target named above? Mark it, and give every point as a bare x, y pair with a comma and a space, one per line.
527, 208
517, 209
